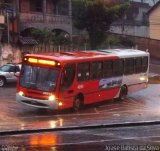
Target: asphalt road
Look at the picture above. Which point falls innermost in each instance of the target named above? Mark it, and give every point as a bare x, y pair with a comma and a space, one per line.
140, 106
132, 124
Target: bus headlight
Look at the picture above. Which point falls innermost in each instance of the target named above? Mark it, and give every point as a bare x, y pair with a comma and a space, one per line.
51, 98
21, 93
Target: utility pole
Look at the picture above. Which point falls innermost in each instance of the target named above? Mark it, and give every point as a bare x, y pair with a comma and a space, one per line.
8, 34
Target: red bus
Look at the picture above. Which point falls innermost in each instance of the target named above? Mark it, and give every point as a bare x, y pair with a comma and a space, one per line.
73, 79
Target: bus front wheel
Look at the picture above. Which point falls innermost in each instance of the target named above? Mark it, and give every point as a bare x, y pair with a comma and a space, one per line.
123, 92
77, 104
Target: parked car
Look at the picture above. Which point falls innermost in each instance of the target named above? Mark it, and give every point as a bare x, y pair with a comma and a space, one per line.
8, 73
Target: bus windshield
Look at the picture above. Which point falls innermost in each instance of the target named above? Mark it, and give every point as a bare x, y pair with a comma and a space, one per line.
39, 78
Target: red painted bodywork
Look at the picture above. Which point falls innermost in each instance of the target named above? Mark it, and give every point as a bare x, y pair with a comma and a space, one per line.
91, 91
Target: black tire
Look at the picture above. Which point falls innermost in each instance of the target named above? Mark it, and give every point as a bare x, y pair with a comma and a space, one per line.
123, 92
77, 104
2, 82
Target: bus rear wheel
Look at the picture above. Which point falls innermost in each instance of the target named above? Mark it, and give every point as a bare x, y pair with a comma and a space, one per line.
123, 92
77, 104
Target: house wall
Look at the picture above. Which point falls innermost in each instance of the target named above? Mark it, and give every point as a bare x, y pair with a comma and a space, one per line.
141, 31
24, 6
134, 22
49, 7
45, 19
154, 23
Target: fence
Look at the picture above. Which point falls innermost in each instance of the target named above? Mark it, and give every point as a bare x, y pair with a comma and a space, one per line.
11, 54
152, 45
142, 43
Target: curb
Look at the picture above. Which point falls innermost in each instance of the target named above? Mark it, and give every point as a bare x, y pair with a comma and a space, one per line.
114, 125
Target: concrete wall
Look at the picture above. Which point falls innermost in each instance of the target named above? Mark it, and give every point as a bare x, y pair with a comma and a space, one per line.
9, 54
141, 31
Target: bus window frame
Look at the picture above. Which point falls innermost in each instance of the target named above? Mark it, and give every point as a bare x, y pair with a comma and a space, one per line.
144, 63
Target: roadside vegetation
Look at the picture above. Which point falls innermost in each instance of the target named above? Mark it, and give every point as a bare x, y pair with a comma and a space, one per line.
96, 17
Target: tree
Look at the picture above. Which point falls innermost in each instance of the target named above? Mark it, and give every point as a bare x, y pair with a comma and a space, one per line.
96, 16
47, 37
44, 36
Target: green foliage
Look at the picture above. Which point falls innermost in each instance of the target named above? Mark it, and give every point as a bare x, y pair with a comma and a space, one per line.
48, 37
44, 36
61, 38
113, 41
127, 42
95, 16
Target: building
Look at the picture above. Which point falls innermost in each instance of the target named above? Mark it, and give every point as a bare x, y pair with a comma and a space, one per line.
134, 22
150, 2
154, 22
24, 15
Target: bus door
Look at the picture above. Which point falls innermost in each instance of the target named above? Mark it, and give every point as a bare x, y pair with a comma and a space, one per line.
66, 91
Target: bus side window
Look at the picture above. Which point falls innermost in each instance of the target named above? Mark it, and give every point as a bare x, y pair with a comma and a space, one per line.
138, 65
118, 67
107, 68
68, 75
83, 71
129, 66
96, 70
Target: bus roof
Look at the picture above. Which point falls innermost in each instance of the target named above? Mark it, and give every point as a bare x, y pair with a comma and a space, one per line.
123, 53
77, 56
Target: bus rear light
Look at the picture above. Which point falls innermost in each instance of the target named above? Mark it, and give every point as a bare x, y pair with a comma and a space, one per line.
51, 98
21, 93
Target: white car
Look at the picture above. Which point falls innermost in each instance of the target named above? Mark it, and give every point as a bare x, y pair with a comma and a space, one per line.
8, 73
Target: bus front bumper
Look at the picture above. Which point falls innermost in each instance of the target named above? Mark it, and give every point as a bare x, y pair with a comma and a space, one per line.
38, 103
